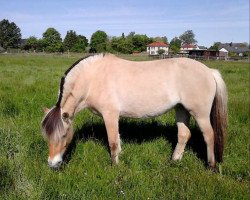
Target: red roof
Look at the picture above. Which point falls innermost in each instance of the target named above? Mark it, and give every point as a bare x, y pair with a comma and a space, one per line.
157, 44
188, 46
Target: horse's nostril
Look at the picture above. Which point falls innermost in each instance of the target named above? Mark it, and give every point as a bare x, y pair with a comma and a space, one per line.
59, 163
50, 163
55, 166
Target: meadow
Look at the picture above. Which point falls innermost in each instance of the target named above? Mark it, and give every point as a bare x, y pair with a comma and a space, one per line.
30, 82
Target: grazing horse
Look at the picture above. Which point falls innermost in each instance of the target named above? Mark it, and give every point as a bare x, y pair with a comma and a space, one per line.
112, 87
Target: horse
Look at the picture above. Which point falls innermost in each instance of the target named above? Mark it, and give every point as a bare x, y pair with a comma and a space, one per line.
112, 87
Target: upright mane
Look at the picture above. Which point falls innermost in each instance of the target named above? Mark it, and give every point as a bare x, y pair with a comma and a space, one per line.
70, 75
52, 123
63, 80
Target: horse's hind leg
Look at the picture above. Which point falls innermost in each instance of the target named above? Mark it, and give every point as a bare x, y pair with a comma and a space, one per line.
182, 119
208, 134
111, 122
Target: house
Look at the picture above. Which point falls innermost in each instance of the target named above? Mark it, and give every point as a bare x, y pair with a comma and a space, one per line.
202, 48
203, 54
239, 49
185, 48
154, 47
223, 53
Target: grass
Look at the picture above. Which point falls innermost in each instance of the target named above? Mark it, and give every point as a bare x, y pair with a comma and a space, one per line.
29, 82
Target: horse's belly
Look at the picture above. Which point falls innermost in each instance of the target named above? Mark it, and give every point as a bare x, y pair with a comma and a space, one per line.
147, 108
144, 113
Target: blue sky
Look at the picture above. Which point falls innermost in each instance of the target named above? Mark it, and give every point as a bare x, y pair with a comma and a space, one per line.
210, 20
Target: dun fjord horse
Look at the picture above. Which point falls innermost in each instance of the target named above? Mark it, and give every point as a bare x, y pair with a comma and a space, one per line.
112, 87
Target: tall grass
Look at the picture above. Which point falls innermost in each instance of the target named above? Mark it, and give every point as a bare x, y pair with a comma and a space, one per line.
28, 83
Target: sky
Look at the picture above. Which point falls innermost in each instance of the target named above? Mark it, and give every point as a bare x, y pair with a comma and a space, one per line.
210, 20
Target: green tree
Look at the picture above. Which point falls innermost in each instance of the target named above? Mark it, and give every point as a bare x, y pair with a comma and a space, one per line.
52, 40
98, 42
133, 42
188, 37
215, 46
85, 40
163, 39
80, 44
140, 42
69, 40
10, 34
161, 51
40, 45
175, 45
122, 45
75, 43
31, 44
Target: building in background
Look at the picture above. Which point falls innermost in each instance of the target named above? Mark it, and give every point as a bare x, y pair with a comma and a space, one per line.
235, 49
154, 47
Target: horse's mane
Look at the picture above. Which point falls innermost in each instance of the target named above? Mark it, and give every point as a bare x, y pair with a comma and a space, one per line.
69, 75
63, 80
52, 123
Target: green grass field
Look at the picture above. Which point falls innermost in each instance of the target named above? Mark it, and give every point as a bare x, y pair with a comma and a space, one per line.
29, 82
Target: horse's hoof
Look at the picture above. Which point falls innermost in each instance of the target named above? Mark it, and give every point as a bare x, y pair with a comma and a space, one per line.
214, 169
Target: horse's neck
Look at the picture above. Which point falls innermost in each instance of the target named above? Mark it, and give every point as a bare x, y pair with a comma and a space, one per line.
76, 96
78, 88
69, 105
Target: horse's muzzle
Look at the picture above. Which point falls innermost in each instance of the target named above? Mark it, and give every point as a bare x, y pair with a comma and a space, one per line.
56, 162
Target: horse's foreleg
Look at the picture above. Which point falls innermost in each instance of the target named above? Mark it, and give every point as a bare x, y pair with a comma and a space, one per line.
112, 127
182, 119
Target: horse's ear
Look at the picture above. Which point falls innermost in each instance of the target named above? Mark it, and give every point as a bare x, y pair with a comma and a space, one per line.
65, 117
46, 110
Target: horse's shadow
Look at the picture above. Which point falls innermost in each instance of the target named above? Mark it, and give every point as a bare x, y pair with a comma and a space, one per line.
138, 132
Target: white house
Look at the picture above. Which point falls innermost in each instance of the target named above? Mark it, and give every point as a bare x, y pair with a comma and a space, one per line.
185, 48
154, 47
223, 53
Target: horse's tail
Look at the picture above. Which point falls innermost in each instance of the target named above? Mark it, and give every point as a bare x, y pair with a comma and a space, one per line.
218, 115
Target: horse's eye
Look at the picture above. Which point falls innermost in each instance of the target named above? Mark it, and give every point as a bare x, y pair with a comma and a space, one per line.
64, 136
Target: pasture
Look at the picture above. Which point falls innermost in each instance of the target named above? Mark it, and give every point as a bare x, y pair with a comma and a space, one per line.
30, 82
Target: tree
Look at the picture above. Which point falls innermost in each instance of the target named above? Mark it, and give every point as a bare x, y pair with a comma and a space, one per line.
80, 44
131, 34
31, 44
163, 39
215, 46
140, 42
98, 42
188, 37
69, 40
52, 40
122, 45
10, 34
75, 43
133, 42
161, 51
175, 45
85, 40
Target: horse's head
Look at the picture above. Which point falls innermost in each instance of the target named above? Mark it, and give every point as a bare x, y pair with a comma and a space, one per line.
57, 127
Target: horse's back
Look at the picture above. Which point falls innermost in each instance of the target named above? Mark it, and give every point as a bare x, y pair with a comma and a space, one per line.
142, 89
